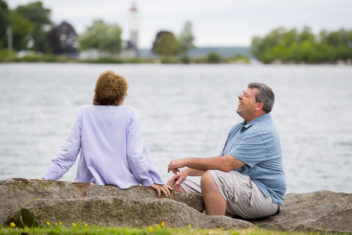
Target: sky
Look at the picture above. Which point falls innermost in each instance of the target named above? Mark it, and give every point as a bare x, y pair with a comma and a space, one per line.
215, 22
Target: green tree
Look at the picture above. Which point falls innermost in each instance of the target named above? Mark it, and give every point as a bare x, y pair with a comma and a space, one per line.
22, 29
40, 17
186, 38
337, 44
101, 36
306, 35
4, 23
262, 48
304, 46
213, 57
165, 44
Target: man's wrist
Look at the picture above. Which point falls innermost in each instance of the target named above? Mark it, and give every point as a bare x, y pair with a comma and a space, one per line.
188, 170
187, 162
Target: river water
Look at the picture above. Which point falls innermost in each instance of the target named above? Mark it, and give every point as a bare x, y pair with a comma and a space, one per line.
186, 111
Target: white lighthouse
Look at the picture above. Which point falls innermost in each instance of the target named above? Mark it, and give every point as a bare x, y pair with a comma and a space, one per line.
133, 26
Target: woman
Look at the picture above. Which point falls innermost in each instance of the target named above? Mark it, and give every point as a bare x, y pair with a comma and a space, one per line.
108, 136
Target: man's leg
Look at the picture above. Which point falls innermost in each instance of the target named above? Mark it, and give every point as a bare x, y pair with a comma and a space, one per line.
215, 203
191, 184
243, 197
178, 188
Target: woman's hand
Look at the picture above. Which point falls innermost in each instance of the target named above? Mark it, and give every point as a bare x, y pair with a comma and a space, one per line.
165, 189
178, 177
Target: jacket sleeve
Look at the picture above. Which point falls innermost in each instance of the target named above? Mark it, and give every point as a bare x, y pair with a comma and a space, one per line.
137, 156
67, 155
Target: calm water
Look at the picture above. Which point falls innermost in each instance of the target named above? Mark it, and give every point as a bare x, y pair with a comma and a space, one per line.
186, 111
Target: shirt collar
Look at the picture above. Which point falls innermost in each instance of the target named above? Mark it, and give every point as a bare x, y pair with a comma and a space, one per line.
256, 120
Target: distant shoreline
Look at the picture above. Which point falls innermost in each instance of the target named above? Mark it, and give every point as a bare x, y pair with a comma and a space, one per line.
160, 62
210, 58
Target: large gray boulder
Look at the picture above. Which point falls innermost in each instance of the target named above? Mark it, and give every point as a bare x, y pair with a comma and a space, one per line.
324, 211
34, 202
39, 201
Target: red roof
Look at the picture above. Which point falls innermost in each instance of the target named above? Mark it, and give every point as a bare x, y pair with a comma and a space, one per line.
133, 7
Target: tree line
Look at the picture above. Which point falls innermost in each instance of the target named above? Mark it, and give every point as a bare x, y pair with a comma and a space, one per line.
31, 28
303, 46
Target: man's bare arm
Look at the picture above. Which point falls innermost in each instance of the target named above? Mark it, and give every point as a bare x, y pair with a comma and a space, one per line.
226, 163
194, 172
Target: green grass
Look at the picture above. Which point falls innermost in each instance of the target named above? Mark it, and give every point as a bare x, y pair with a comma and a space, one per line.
156, 229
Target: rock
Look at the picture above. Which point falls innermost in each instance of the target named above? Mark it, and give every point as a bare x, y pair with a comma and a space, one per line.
34, 202
39, 201
319, 211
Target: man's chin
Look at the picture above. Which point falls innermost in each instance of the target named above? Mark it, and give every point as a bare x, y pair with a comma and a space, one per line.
239, 112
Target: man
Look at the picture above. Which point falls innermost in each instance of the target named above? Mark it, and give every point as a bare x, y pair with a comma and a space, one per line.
247, 179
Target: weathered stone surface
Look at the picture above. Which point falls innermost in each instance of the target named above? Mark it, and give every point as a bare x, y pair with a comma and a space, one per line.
37, 201
319, 211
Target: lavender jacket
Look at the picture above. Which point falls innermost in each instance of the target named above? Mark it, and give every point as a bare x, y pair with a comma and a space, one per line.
112, 150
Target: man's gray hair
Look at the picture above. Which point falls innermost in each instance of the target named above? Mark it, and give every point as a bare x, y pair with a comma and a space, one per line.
264, 95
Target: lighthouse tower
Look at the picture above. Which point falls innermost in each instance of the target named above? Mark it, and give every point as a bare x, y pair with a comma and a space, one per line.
133, 26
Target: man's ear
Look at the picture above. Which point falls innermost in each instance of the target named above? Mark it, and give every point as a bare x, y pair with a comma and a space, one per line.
259, 106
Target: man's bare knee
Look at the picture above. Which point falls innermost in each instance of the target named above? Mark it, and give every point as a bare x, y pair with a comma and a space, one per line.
215, 203
178, 188
207, 180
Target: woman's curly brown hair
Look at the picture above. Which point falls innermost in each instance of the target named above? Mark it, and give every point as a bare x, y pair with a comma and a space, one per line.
110, 89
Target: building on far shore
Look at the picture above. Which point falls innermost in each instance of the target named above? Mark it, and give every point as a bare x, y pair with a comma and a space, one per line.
130, 47
63, 39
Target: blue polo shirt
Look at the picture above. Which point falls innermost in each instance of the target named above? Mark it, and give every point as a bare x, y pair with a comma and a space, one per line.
257, 145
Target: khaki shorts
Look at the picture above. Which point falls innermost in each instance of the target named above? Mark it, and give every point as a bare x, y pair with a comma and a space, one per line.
242, 195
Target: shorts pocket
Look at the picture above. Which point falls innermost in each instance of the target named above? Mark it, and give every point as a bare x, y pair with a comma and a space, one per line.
242, 189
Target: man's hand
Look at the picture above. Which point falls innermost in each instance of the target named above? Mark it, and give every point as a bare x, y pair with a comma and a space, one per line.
165, 189
175, 164
178, 177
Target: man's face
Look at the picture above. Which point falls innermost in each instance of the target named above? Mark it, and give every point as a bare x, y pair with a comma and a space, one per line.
246, 106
